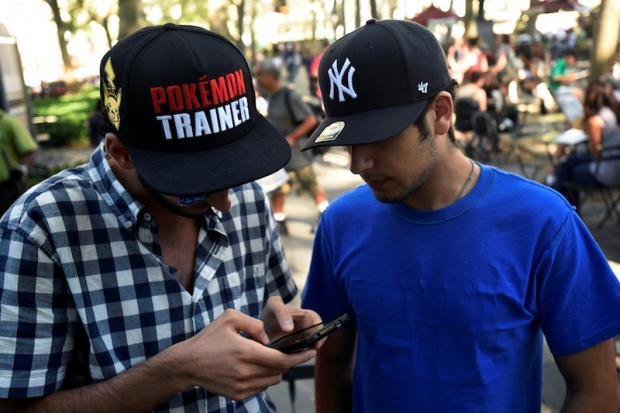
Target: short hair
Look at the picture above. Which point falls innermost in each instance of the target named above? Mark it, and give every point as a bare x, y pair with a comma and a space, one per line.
421, 123
472, 41
569, 52
476, 76
268, 66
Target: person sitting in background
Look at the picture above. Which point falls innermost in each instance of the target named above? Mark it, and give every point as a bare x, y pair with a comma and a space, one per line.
507, 65
474, 90
474, 60
455, 57
563, 73
601, 121
18, 152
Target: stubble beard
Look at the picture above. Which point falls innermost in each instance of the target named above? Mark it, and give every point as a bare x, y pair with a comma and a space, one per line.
430, 143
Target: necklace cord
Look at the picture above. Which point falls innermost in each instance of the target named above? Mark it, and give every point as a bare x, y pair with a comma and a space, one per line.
466, 184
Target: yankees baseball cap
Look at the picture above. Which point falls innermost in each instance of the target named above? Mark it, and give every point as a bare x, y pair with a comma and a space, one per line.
376, 80
182, 101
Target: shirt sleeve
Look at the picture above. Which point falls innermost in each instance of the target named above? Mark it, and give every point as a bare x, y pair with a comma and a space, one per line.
279, 278
299, 109
578, 293
323, 292
37, 319
24, 142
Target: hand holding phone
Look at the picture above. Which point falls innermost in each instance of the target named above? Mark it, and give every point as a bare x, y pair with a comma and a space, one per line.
304, 338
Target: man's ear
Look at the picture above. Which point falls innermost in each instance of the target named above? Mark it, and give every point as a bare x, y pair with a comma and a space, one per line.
444, 108
118, 151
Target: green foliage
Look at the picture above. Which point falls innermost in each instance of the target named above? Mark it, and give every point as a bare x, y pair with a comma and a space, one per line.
66, 117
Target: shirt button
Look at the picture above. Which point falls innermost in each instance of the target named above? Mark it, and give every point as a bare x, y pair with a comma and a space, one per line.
147, 217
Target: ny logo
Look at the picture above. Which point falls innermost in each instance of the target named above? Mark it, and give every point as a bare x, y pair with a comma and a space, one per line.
422, 87
335, 78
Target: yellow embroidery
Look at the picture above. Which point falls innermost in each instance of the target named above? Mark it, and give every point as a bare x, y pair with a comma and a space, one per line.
112, 99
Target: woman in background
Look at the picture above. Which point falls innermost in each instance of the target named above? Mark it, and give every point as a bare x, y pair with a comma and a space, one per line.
601, 116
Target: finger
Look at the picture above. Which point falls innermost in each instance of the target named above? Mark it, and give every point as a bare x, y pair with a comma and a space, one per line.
282, 313
246, 326
282, 362
305, 318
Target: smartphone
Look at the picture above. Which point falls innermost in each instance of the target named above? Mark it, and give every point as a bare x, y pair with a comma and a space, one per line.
304, 338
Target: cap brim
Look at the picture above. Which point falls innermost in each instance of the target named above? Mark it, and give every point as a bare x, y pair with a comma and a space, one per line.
259, 153
364, 127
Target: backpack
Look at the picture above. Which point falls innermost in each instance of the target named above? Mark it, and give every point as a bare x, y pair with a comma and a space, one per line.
318, 112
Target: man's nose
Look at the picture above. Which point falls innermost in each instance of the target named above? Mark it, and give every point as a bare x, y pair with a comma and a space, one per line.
362, 158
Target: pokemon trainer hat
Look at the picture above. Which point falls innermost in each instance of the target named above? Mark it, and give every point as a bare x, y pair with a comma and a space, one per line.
183, 102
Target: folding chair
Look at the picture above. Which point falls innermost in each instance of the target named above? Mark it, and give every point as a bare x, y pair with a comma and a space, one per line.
544, 129
486, 135
480, 125
609, 193
304, 371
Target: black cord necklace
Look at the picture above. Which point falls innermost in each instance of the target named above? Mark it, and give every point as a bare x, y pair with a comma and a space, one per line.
466, 184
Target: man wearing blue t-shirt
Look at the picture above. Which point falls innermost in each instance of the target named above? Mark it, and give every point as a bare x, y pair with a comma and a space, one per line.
451, 271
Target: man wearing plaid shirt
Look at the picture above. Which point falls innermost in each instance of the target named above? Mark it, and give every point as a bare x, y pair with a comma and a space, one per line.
125, 283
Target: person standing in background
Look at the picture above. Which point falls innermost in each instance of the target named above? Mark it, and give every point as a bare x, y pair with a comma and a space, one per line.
295, 120
313, 71
18, 152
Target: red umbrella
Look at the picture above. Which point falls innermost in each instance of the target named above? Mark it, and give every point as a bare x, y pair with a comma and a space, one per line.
432, 13
554, 6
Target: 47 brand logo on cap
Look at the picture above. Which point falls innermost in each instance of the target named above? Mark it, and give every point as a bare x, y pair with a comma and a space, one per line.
336, 77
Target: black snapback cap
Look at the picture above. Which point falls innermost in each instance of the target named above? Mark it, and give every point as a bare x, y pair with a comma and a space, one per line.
376, 80
183, 102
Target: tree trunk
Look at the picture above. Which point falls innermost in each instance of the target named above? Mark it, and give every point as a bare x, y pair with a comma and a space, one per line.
217, 21
240, 27
358, 14
252, 31
128, 14
471, 28
373, 9
106, 27
338, 18
605, 39
61, 29
392, 5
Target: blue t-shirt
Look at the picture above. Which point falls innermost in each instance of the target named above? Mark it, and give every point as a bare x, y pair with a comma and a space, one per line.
451, 305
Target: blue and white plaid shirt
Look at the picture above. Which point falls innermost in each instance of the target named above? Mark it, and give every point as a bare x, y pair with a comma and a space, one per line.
84, 294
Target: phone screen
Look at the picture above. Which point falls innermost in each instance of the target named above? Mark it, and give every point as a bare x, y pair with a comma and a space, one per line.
304, 338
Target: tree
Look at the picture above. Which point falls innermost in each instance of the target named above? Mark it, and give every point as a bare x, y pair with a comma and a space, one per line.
471, 28
606, 34
62, 28
129, 12
373, 9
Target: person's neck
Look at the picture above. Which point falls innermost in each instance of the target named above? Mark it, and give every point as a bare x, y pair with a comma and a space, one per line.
275, 88
453, 178
130, 181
